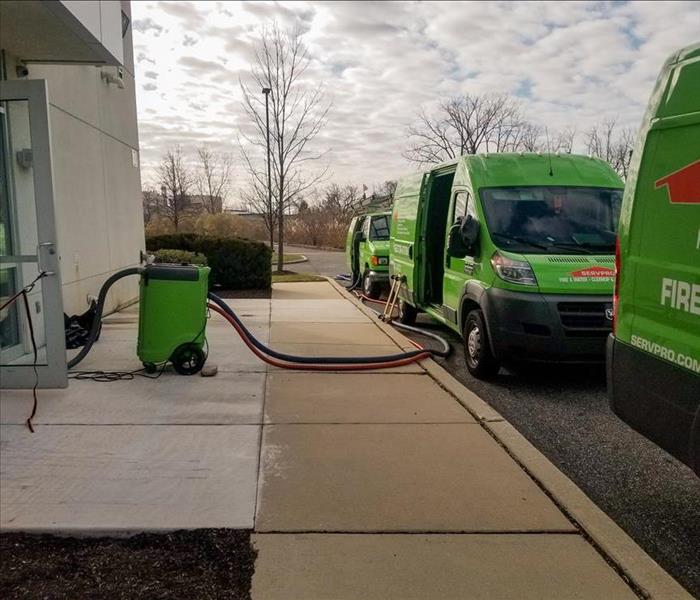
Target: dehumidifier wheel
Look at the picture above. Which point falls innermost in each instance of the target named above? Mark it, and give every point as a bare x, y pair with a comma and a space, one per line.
188, 359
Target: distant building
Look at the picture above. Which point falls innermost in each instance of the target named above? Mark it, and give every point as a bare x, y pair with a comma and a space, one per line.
204, 204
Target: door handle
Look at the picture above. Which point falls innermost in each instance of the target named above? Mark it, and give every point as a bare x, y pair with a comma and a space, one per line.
39, 265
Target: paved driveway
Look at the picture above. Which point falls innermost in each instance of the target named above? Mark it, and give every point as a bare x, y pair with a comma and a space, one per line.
321, 262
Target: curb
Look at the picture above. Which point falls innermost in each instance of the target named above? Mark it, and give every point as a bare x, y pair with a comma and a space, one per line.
648, 579
295, 262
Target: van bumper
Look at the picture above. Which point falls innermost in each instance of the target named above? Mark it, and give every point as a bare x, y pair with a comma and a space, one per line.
547, 327
378, 276
656, 398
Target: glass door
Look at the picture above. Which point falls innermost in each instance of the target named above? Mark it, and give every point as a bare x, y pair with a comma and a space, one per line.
28, 243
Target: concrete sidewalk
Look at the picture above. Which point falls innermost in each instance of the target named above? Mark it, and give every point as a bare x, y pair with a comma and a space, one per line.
399, 485
380, 484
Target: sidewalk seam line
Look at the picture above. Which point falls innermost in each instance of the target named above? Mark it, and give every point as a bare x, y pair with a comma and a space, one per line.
262, 419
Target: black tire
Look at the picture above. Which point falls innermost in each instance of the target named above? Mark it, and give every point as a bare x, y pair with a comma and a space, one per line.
150, 368
371, 288
481, 362
188, 359
407, 313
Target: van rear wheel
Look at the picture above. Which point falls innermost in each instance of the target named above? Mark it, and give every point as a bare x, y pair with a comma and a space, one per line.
481, 362
407, 313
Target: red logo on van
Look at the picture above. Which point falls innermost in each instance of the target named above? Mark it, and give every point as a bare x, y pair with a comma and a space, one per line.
594, 272
683, 185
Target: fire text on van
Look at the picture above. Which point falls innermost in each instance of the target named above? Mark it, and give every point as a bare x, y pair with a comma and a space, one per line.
681, 295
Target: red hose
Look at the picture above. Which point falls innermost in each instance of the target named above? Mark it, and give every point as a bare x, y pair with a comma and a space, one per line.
315, 367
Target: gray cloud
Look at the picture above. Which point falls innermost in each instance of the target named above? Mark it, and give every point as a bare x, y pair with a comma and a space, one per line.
188, 40
144, 25
187, 11
151, 75
149, 87
570, 64
193, 63
142, 57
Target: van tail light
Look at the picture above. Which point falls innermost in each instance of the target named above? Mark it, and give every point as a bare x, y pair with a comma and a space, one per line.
616, 291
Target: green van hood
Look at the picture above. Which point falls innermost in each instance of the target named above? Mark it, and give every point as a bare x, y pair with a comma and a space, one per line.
379, 247
573, 274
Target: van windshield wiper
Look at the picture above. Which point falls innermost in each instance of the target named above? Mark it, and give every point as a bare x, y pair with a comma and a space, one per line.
603, 247
520, 240
580, 248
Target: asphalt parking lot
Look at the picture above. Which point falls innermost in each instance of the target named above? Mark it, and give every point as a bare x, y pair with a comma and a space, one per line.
564, 412
321, 262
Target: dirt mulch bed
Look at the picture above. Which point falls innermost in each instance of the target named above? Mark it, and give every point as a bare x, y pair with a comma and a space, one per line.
204, 563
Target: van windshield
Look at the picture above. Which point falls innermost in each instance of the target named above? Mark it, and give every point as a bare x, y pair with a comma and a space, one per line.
552, 220
379, 228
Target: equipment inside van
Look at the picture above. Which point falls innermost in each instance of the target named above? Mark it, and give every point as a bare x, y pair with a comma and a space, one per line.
367, 252
513, 251
654, 353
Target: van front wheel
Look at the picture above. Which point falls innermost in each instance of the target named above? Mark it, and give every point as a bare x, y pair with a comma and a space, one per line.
371, 288
481, 362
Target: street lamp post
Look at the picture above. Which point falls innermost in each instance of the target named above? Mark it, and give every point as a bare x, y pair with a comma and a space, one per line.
267, 91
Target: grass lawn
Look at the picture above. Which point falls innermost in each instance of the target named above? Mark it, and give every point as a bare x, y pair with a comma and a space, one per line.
286, 258
292, 277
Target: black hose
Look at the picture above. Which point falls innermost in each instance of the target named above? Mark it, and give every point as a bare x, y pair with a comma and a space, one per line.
445, 344
441, 340
312, 359
354, 283
97, 320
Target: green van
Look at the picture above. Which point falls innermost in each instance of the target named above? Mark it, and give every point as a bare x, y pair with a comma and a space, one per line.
654, 352
367, 251
513, 251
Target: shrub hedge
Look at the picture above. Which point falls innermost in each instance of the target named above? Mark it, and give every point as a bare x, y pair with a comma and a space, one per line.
169, 255
236, 264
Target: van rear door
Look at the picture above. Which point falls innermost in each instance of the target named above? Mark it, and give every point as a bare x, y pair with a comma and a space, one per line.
405, 233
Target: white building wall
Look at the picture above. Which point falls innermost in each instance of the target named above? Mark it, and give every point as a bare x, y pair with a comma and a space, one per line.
97, 184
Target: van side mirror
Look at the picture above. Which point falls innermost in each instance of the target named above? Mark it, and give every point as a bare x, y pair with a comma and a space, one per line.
455, 245
469, 232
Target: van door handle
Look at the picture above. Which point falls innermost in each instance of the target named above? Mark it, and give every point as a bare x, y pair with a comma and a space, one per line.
410, 252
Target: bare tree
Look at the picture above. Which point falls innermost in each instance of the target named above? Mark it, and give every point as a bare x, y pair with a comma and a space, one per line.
563, 141
213, 178
297, 114
614, 146
466, 125
386, 189
325, 221
530, 138
175, 182
151, 205
255, 197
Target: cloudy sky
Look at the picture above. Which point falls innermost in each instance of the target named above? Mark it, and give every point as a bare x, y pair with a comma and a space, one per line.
569, 63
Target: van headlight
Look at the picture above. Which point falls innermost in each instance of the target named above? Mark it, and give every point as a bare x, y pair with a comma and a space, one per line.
513, 271
379, 260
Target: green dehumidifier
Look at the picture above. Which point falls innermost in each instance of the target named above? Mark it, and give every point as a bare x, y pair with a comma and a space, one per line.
173, 317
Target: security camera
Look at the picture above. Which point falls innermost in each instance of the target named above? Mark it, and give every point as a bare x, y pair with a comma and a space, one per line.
22, 71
